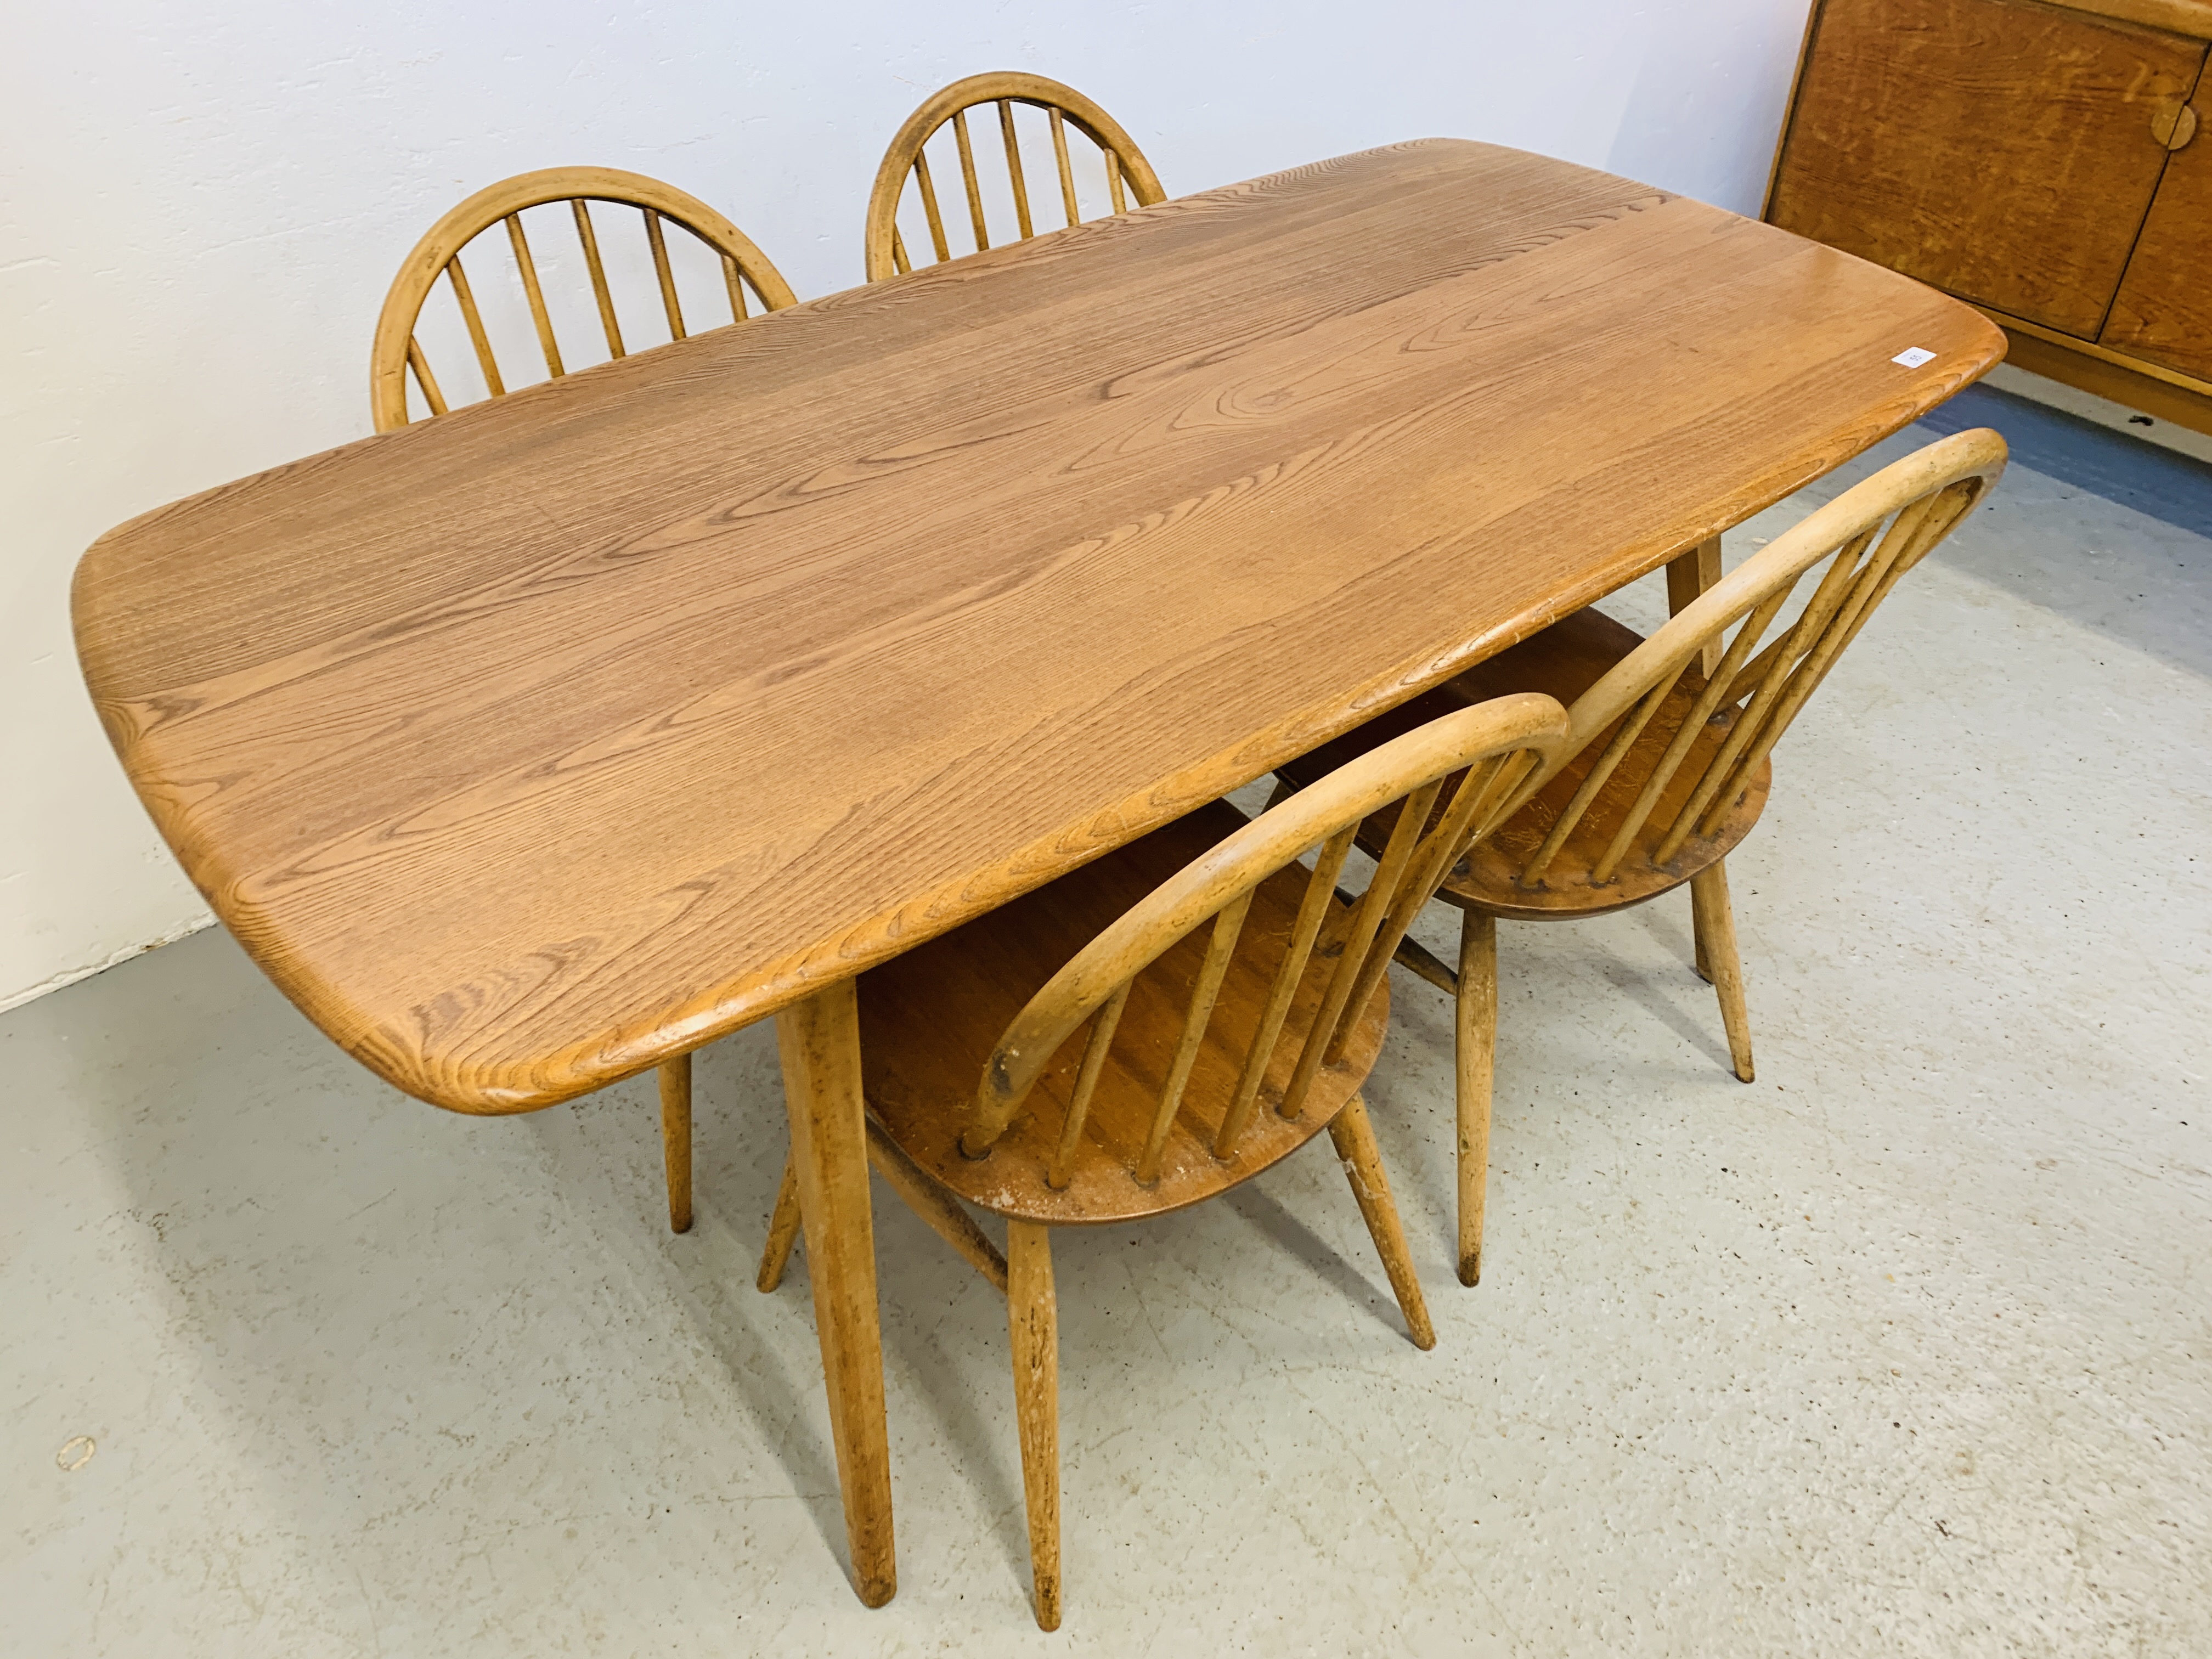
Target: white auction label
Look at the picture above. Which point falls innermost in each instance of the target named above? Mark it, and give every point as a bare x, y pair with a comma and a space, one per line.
1913, 357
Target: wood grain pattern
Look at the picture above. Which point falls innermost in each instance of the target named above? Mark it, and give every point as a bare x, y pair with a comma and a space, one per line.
2001, 149
1665, 771
2163, 311
2190, 17
526, 747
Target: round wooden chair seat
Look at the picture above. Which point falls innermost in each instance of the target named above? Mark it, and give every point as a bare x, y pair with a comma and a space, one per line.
929, 1019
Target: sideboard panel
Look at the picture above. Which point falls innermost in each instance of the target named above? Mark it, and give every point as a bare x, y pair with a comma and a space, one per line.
2001, 149
2164, 311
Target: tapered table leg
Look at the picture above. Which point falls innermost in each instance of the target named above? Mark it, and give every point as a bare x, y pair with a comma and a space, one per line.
1688, 576
819, 1040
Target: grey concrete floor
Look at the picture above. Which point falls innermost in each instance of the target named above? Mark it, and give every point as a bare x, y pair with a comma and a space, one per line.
1902, 1350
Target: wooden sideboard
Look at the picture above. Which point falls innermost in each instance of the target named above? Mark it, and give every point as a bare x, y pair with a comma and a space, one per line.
2049, 164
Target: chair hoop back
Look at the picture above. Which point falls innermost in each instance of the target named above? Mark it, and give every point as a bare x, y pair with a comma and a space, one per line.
1064, 106
396, 350
1869, 537
1489, 746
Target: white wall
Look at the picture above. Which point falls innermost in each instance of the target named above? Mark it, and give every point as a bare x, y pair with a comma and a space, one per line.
203, 204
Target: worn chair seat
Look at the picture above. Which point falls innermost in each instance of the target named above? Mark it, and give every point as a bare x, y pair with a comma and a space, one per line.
1564, 661
930, 1019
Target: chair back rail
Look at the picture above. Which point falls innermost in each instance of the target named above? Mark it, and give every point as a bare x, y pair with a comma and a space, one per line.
1868, 537
396, 352
1451, 778
907, 161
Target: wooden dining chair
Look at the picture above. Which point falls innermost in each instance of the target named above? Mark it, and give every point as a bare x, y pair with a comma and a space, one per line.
1235, 1004
1126, 171
1667, 767
396, 351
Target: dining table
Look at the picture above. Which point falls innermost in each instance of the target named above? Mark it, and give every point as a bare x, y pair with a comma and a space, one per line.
531, 745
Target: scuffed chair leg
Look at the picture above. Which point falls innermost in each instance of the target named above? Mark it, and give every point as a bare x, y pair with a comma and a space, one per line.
676, 1138
1033, 1322
1475, 1054
782, 1229
1715, 922
1354, 1139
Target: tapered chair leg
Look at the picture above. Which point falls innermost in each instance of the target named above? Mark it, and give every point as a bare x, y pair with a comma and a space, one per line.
1716, 925
782, 1229
1475, 1053
676, 1138
1033, 1319
1354, 1139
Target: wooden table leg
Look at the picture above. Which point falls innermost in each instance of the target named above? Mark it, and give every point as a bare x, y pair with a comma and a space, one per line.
819, 1040
1687, 577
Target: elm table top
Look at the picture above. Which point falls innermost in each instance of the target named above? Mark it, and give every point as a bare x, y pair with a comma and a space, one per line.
526, 747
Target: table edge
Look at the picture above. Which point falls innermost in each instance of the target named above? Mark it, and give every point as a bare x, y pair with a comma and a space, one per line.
605, 1058
585, 1067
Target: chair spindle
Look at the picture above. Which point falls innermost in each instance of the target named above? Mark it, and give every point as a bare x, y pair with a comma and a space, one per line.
423, 377
1086, 1084
600, 292
1228, 923
1358, 932
467, 300
1479, 797
538, 315
1066, 173
1313, 909
967, 178
1724, 776
661, 269
937, 238
1014, 168
1753, 629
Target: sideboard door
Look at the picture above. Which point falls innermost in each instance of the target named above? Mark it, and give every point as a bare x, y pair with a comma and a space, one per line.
2164, 311
1997, 148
